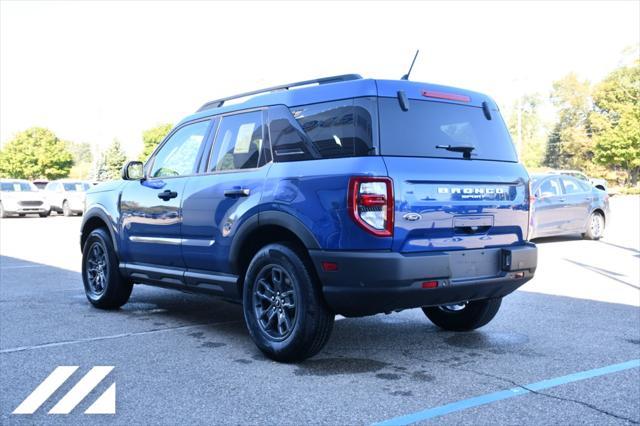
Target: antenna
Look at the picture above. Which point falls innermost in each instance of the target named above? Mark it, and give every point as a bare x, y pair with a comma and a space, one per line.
406, 76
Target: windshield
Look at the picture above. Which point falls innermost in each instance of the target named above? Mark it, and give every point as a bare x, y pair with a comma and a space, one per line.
17, 187
427, 124
76, 186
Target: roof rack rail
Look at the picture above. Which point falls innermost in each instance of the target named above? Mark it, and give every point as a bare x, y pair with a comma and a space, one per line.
324, 80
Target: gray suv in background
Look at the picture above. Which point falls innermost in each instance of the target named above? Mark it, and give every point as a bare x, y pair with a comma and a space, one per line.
66, 196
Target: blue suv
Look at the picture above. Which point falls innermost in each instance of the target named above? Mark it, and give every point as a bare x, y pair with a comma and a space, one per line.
340, 195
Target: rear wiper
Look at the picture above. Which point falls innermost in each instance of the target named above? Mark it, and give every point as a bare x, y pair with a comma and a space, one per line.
464, 149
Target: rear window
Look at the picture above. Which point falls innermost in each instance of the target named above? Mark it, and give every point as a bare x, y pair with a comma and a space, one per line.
417, 132
324, 130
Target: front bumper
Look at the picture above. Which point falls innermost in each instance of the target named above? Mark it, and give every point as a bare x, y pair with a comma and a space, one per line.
366, 283
18, 208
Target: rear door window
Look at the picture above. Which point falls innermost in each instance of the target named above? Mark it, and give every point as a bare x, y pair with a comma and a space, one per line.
550, 188
427, 124
571, 186
239, 142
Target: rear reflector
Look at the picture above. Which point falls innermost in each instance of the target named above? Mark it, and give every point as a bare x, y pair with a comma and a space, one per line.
329, 266
445, 95
430, 284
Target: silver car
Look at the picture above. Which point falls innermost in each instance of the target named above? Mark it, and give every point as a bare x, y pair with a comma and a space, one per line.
66, 196
21, 197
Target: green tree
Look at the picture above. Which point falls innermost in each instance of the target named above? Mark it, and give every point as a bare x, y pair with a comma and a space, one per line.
35, 153
569, 144
152, 137
616, 121
82, 159
109, 165
81, 151
530, 128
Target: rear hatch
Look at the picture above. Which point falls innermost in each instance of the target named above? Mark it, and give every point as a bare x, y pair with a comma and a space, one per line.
457, 182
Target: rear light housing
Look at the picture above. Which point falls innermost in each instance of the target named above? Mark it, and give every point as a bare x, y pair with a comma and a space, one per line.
370, 204
531, 199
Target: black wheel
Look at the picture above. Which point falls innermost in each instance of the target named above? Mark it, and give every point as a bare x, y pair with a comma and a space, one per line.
103, 285
283, 308
66, 210
463, 316
45, 214
595, 227
2, 212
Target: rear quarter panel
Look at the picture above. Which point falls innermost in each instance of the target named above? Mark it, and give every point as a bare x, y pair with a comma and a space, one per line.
315, 192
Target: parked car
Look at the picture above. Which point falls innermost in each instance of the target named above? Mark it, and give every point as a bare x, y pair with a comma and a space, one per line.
349, 196
566, 205
601, 184
67, 196
21, 197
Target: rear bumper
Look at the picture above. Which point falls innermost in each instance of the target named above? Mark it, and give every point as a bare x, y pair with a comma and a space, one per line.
367, 283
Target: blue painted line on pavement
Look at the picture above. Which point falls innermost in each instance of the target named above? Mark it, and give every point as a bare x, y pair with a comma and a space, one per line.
505, 394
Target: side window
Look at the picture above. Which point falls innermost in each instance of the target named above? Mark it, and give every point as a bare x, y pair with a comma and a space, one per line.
338, 129
550, 188
288, 140
239, 142
178, 155
571, 186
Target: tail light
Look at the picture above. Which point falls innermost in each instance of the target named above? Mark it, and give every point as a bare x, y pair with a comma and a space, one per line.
531, 198
371, 204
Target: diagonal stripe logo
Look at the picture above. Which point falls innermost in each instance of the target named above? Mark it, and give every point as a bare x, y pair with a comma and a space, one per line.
105, 404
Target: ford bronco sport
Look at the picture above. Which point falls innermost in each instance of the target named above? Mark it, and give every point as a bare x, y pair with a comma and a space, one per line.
340, 195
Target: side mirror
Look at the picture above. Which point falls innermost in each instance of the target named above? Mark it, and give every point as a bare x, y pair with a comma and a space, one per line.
133, 170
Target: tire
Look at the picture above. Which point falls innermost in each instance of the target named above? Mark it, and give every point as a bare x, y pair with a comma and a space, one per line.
45, 214
103, 285
595, 227
22, 214
471, 316
287, 328
2, 212
66, 210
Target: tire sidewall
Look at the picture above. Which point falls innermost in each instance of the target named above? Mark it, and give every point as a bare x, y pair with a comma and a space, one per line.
284, 257
100, 236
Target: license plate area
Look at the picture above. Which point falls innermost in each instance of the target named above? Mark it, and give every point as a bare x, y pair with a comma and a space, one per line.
470, 264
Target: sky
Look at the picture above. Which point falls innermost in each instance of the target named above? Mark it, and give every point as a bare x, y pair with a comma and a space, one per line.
95, 71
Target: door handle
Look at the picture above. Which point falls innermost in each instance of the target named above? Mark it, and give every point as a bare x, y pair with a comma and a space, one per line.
167, 195
237, 192
562, 200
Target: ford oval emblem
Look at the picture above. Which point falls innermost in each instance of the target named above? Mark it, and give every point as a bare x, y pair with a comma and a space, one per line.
412, 217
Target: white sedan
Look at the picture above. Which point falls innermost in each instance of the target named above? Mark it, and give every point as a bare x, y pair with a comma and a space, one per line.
21, 197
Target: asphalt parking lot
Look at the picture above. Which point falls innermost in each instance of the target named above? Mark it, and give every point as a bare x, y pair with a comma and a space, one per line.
180, 358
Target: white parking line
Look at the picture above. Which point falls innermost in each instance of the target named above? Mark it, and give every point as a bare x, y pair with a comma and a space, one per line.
113, 336
24, 266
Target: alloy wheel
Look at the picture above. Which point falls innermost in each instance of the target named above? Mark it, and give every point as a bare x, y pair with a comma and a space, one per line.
274, 302
97, 268
596, 225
